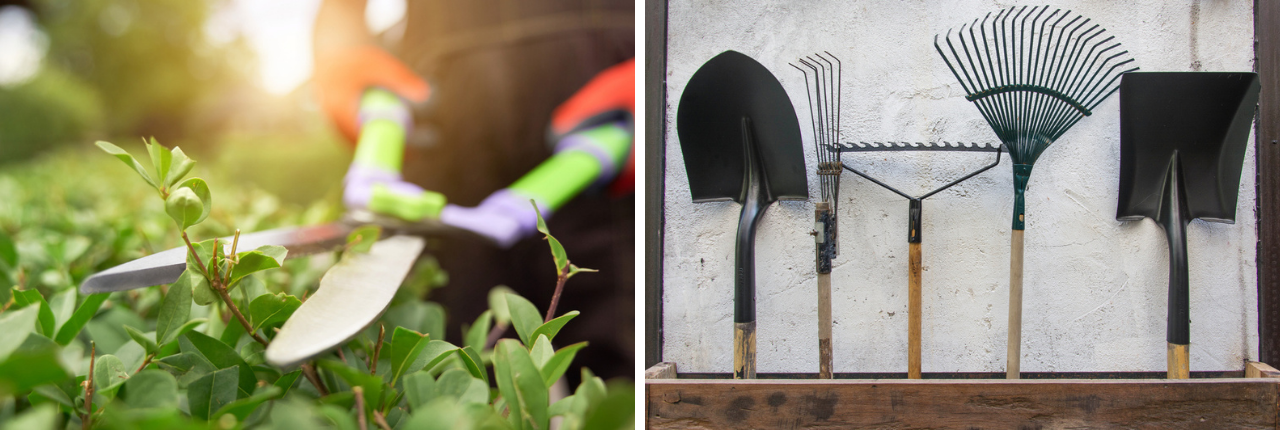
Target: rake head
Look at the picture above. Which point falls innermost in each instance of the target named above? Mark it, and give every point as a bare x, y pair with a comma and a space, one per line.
1034, 72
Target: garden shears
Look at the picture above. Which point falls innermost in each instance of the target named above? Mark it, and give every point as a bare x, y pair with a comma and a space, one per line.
358, 288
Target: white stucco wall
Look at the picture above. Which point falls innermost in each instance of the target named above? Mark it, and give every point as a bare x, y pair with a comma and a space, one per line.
1095, 288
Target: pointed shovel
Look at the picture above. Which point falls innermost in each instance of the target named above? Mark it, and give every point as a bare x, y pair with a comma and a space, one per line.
1182, 143
741, 142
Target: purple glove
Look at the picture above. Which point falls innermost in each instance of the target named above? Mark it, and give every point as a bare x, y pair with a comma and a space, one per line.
504, 216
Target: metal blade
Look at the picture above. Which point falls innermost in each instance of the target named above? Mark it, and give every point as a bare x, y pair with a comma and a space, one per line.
351, 296
165, 267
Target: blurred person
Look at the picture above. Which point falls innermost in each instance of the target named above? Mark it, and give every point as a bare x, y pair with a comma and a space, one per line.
510, 101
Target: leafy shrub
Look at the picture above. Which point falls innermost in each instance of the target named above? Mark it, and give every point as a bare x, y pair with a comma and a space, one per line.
190, 354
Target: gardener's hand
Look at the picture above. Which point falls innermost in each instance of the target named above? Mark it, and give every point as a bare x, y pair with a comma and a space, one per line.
608, 98
373, 182
504, 217
343, 74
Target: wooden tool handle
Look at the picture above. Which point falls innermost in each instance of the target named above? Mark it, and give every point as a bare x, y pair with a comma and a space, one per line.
913, 312
824, 326
1014, 356
1179, 361
744, 350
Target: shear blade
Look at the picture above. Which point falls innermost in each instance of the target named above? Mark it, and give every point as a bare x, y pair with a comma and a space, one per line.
351, 296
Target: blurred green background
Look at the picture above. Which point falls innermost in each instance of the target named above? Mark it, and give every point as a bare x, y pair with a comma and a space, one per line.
188, 72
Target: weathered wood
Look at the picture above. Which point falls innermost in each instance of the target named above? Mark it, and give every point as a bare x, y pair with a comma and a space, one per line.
663, 370
825, 357
655, 126
1266, 27
914, 306
1208, 404
1013, 356
744, 350
1179, 361
1254, 369
1162, 375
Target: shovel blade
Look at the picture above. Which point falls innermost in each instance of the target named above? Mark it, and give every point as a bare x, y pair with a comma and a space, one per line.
709, 122
1205, 118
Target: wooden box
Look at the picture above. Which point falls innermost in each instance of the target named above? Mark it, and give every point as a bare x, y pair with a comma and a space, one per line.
1246, 399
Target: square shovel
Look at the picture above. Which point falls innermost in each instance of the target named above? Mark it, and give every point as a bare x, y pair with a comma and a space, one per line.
1182, 141
741, 142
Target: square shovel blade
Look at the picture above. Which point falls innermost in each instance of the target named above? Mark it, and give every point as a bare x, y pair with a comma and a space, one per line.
1202, 117
726, 90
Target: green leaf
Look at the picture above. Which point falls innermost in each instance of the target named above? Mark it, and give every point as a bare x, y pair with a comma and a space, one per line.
521, 385
184, 207
82, 315
62, 304
160, 158
541, 351
32, 364
231, 334
8, 252
551, 328
15, 326
459, 383
221, 356
286, 381
108, 375
525, 317
186, 366
201, 189
616, 410
128, 160
38, 417
474, 363
270, 309
406, 345
498, 304
478, 334
33, 298
557, 250
555, 367
243, 407
372, 384
174, 310
435, 352
178, 167
207, 395
201, 292
263, 258
151, 388
147, 341
218, 353
362, 238
419, 388
52, 393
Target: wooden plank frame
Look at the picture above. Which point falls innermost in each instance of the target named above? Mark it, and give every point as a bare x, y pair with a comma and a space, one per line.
740, 404
1266, 25
655, 96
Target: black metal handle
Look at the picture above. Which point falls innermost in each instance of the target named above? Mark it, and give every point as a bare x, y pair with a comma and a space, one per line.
755, 200
1174, 218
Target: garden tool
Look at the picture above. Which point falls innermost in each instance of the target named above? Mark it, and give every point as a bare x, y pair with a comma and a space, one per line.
741, 142
1182, 142
825, 122
1032, 73
914, 226
355, 292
